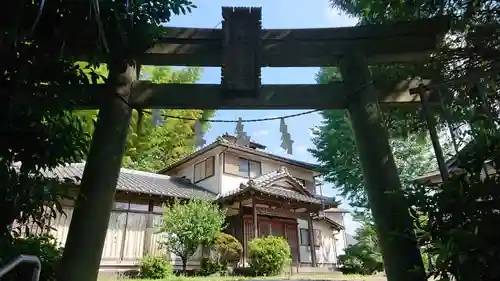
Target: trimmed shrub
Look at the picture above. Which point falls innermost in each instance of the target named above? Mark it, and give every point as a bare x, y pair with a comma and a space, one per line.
155, 267
44, 247
228, 249
269, 255
360, 259
211, 266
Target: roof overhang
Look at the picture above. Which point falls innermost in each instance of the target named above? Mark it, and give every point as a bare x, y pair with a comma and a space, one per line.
238, 148
331, 222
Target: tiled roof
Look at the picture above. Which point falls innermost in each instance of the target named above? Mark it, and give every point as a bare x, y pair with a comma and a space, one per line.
271, 177
330, 221
139, 182
225, 143
336, 210
264, 184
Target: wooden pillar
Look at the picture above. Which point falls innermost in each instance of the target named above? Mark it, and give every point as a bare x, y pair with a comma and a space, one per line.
401, 254
297, 244
255, 219
149, 231
312, 242
431, 126
243, 241
89, 224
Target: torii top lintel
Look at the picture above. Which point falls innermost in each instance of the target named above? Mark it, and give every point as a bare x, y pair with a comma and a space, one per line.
312, 47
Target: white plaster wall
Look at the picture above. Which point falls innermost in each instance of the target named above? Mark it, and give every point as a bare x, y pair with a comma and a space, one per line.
231, 182
325, 253
340, 237
212, 183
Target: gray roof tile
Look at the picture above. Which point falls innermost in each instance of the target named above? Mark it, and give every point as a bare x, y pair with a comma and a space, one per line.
139, 182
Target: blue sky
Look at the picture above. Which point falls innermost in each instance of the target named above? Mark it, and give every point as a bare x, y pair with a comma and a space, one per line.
275, 14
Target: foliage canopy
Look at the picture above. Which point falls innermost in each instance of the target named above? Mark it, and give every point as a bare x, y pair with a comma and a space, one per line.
188, 225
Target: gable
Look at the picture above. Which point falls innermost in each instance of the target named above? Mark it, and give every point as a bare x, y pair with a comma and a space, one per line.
289, 184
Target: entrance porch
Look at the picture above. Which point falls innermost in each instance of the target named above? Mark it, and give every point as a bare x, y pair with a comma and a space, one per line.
273, 204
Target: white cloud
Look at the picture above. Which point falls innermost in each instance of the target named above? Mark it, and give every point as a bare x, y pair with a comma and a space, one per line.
260, 133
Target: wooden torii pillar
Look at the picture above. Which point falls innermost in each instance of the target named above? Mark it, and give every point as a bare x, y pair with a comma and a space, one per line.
382, 184
89, 223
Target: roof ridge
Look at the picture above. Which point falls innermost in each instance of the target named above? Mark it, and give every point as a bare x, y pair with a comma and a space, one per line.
224, 142
138, 172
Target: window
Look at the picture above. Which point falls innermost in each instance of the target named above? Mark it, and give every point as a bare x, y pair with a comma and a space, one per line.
158, 209
248, 168
204, 169
122, 205
304, 237
139, 206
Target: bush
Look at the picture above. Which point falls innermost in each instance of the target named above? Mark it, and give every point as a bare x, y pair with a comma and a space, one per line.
244, 271
269, 255
228, 249
210, 266
155, 267
44, 247
360, 259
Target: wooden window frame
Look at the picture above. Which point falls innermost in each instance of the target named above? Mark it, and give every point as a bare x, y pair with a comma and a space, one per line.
206, 160
248, 166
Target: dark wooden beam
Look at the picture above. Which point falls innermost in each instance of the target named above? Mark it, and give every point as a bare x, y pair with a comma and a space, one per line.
312, 54
281, 212
280, 202
210, 96
389, 43
435, 26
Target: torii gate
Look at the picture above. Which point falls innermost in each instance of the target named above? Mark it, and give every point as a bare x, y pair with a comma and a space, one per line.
241, 47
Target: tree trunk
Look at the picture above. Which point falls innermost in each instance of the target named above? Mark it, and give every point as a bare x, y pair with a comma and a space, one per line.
184, 266
88, 228
402, 258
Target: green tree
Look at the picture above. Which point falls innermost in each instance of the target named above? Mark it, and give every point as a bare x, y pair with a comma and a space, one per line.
335, 149
188, 225
150, 147
364, 257
37, 131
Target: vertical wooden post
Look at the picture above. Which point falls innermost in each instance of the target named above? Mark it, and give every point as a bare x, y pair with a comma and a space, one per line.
148, 233
87, 231
431, 126
312, 242
255, 219
243, 241
401, 254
